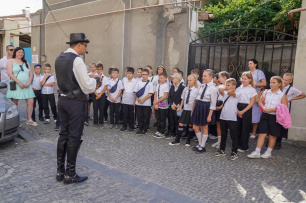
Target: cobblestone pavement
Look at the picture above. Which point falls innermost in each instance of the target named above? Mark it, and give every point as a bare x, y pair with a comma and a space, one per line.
175, 169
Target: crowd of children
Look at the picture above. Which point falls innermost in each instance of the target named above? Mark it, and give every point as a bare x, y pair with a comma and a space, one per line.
214, 105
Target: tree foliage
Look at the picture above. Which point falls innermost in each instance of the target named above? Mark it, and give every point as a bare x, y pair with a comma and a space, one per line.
272, 14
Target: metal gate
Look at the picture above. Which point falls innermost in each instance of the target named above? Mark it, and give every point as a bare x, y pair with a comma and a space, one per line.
230, 50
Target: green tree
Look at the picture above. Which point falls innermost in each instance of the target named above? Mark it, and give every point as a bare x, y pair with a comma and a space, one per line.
272, 14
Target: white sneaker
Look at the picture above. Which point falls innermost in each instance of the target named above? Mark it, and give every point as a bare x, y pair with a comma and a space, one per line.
216, 145
47, 121
254, 155
212, 137
266, 155
55, 121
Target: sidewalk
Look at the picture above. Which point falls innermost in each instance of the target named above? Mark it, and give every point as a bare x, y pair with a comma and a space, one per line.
175, 169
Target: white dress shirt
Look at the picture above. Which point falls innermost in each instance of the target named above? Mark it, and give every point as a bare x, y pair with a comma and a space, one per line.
87, 84
293, 92
111, 83
4, 76
192, 97
128, 96
220, 97
47, 89
209, 96
272, 99
104, 83
36, 82
148, 90
229, 110
246, 93
161, 89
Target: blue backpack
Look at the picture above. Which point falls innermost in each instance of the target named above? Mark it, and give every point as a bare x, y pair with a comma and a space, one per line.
142, 90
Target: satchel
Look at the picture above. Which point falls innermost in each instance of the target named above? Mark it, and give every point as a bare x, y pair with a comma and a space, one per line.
13, 83
114, 88
140, 92
163, 104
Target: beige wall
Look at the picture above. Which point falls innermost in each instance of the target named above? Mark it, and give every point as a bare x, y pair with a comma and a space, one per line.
111, 42
298, 110
6, 40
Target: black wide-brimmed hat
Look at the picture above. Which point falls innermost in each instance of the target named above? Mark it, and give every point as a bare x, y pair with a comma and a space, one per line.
77, 37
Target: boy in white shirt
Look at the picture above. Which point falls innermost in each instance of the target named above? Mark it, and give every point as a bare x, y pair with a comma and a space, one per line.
128, 100
114, 97
47, 93
161, 105
98, 98
144, 90
228, 118
36, 86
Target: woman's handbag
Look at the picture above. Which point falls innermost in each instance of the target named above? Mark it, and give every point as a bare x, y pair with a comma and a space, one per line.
259, 91
13, 83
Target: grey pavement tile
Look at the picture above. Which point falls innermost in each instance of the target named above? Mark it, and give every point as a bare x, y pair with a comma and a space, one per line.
200, 176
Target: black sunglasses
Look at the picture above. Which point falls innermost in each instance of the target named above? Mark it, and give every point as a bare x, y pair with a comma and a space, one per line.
11, 49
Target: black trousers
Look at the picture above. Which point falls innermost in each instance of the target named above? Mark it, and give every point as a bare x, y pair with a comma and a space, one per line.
128, 115
72, 114
284, 134
244, 127
46, 99
40, 105
58, 120
232, 126
121, 113
143, 117
98, 106
173, 121
114, 112
106, 105
161, 120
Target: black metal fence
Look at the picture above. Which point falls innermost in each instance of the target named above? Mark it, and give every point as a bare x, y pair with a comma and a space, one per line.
230, 50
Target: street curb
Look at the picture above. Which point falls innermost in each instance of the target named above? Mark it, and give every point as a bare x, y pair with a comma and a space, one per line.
155, 190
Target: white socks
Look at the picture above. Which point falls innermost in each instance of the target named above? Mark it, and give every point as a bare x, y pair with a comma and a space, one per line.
199, 136
257, 150
219, 139
204, 139
269, 150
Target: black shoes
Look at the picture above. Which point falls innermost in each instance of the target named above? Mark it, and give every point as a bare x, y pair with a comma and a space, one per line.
200, 150
61, 154
123, 128
277, 146
57, 128
70, 174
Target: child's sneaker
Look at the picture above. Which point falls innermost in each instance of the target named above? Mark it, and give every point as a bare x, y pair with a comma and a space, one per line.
266, 155
233, 156
242, 150
187, 143
139, 132
220, 153
174, 143
55, 121
167, 136
216, 145
131, 130
96, 126
86, 123
47, 121
254, 155
157, 134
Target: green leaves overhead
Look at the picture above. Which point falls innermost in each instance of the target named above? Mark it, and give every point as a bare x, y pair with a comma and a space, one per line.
254, 13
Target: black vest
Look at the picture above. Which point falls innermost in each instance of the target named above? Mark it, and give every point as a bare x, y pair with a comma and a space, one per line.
66, 80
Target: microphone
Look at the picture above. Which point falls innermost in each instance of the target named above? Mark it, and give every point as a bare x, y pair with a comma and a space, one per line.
86, 52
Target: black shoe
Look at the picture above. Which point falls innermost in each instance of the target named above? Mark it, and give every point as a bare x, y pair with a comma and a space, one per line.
139, 132
187, 144
167, 137
70, 174
155, 124
112, 126
131, 130
277, 146
123, 128
195, 148
200, 150
41, 119
57, 128
61, 155
174, 143
86, 123
195, 138
117, 126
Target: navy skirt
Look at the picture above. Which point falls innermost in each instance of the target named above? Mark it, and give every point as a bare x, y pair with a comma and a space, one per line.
200, 113
185, 117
